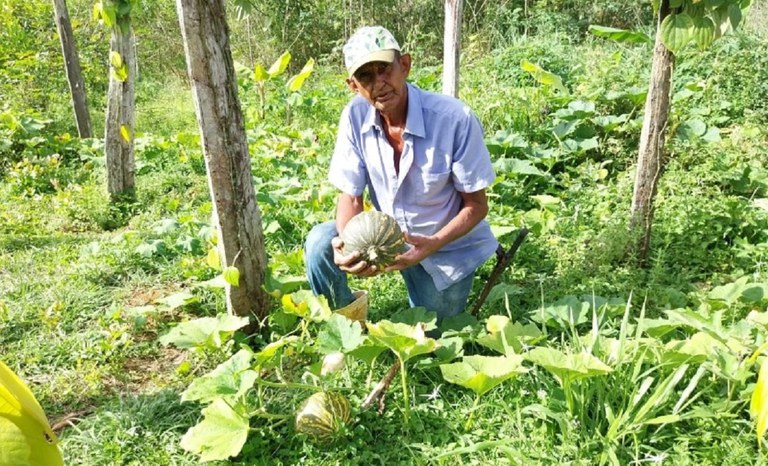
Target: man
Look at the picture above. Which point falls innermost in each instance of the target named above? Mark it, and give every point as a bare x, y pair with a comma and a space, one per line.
422, 157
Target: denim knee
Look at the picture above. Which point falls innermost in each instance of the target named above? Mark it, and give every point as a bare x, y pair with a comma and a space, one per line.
318, 243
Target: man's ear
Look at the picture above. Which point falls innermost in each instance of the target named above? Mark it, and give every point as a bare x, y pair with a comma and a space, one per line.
405, 63
352, 85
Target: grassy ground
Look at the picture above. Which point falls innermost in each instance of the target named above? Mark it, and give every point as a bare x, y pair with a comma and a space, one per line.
82, 283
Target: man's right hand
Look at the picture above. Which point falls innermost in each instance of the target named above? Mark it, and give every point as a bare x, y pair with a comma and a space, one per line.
351, 263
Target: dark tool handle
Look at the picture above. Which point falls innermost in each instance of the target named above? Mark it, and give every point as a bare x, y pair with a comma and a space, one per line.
503, 259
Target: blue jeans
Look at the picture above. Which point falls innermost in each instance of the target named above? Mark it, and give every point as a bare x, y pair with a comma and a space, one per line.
325, 278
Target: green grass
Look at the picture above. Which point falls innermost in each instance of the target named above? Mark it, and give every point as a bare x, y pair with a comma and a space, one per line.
79, 288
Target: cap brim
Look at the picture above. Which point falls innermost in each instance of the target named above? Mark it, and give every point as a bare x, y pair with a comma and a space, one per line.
379, 55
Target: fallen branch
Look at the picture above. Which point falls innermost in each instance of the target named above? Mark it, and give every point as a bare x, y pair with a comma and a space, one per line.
380, 390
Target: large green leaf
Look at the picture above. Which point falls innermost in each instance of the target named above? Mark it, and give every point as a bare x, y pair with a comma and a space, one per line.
368, 351
734, 15
703, 31
620, 35
406, 341
700, 347
268, 353
220, 435
204, 332
416, 315
481, 373
508, 337
305, 304
229, 380
676, 31
568, 367
517, 166
339, 334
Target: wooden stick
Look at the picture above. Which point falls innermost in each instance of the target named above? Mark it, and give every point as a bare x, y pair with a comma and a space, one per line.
503, 259
381, 388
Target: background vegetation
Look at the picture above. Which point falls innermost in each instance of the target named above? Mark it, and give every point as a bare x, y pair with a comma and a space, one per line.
87, 290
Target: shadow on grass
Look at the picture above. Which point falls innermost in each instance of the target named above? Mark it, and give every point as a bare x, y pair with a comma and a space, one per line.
14, 243
131, 430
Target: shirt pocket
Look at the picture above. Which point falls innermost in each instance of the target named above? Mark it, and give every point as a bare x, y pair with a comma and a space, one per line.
433, 189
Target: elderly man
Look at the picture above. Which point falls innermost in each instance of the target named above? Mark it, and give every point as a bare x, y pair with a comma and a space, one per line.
422, 158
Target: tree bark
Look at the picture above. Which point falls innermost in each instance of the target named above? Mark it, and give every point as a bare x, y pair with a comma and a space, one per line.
651, 159
214, 86
121, 101
451, 47
72, 68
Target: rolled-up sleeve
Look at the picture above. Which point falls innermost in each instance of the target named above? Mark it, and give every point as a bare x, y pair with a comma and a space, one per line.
347, 171
472, 169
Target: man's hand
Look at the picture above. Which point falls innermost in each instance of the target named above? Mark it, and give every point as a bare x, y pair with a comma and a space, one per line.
421, 248
351, 263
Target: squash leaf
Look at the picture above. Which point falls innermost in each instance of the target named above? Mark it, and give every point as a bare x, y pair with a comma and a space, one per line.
482, 373
206, 332
507, 337
406, 341
229, 380
221, 434
339, 334
568, 367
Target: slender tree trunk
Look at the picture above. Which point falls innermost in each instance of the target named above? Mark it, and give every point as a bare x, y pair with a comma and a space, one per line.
118, 139
72, 67
451, 47
651, 159
214, 86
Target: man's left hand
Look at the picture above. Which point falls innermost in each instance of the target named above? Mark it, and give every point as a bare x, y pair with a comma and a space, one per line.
421, 248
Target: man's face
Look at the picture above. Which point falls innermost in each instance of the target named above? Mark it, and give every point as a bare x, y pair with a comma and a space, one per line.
382, 83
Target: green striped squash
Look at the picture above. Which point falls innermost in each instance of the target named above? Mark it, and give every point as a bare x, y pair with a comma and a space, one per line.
322, 415
376, 235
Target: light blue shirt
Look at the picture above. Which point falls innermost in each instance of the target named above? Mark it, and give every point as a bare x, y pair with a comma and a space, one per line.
443, 155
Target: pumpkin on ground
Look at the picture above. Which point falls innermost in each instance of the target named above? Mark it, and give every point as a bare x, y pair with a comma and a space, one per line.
322, 415
376, 235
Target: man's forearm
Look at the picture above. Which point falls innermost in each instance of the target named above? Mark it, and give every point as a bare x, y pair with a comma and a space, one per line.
467, 218
347, 206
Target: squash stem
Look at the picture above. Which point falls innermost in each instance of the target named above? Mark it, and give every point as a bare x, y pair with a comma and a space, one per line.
404, 382
263, 414
468, 424
299, 386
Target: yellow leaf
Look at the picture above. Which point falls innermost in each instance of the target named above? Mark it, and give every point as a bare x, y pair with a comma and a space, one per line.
279, 66
297, 81
25, 434
96, 14
125, 133
259, 73
213, 259
543, 76
115, 59
232, 275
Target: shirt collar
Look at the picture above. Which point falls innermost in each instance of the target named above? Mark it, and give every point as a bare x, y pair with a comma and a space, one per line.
414, 121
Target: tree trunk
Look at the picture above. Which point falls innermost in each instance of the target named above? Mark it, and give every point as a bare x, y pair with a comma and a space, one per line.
214, 86
118, 138
451, 47
72, 67
651, 158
